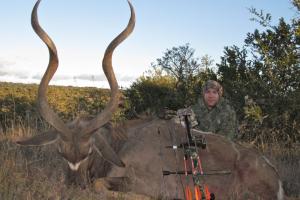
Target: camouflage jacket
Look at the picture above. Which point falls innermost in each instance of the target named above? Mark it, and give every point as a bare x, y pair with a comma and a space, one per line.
221, 119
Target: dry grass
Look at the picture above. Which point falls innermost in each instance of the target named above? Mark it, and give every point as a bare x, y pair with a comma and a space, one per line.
287, 160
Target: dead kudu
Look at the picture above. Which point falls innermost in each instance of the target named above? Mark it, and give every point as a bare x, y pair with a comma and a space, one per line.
79, 142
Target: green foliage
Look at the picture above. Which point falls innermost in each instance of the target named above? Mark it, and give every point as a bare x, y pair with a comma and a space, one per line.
236, 76
253, 111
180, 64
266, 69
296, 3
263, 19
175, 82
152, 93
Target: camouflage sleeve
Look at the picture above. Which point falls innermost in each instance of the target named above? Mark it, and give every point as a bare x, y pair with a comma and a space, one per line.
196, 111
229, 124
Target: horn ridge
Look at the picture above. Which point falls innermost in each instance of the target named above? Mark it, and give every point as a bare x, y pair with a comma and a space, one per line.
43, 106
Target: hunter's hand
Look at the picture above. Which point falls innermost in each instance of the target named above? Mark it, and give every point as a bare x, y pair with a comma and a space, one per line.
184, 112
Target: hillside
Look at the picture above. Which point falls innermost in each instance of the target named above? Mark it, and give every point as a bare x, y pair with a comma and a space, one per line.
17, 101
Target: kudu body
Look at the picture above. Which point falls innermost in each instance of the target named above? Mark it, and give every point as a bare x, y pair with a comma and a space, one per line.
252, 175
78, 141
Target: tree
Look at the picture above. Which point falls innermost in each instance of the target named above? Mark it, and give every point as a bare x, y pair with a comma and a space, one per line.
266, 69
180, 63
174, 82
235, 76
276, 59
151, 93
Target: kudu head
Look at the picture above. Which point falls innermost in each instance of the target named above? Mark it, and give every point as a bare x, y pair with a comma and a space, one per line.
78, 140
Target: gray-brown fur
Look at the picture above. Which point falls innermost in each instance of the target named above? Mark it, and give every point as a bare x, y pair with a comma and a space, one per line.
145, 157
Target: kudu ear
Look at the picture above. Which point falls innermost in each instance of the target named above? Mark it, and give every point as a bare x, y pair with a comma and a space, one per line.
45, 138
105, 150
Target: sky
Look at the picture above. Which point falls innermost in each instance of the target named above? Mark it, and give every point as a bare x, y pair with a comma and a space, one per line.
82, 30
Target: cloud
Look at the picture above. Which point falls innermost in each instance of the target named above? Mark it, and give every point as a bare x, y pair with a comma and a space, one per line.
128, 78
85, 77
55, 78
97, 80
102, 77
98, 77
15, 74
3, 73
62, 77
20, 75
7, 71
37, 77
5, 63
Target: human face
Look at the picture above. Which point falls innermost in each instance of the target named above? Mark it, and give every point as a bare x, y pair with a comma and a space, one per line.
211, 97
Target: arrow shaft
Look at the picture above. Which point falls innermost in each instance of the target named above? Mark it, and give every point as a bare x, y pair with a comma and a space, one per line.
210, 173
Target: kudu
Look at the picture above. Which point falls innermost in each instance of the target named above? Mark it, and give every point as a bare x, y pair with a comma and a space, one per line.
79, 141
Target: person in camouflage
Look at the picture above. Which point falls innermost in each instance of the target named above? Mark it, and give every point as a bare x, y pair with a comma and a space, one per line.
213, 113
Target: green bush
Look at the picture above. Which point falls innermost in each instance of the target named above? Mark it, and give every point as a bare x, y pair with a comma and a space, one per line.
151, 94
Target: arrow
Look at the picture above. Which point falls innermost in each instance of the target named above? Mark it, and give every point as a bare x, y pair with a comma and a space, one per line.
186, 145
212, 172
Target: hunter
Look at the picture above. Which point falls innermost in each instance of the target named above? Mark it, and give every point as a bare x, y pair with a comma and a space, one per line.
212, 112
